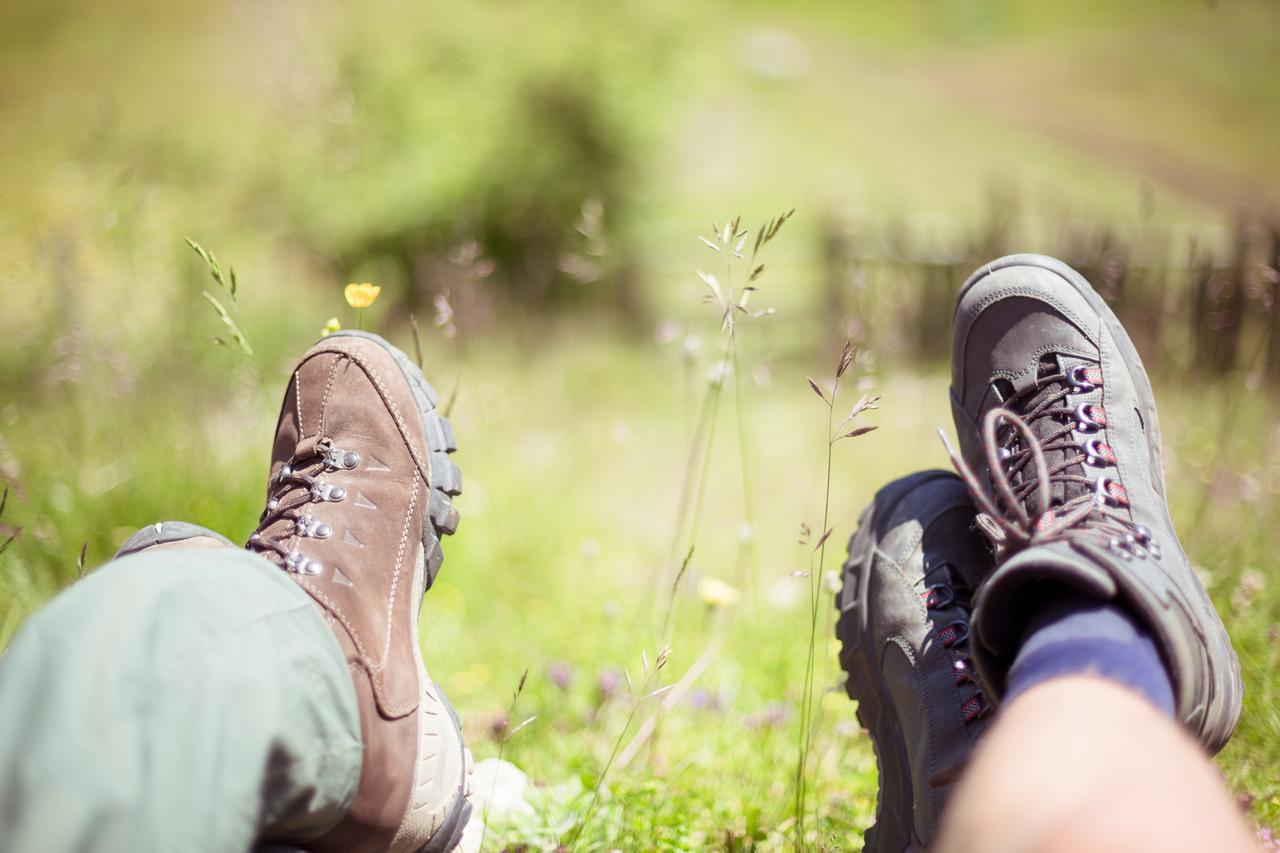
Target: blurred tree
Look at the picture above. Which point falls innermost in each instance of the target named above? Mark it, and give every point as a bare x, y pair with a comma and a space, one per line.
514, 129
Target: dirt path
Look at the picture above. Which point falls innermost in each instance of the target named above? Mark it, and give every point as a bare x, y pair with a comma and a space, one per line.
1215, 184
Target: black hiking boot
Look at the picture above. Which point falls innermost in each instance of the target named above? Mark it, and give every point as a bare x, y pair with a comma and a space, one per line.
903, 628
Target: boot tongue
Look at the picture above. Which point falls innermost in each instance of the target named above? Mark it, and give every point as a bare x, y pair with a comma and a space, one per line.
1044, 428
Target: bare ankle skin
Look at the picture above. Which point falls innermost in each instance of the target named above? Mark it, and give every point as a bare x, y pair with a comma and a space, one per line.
1082, 763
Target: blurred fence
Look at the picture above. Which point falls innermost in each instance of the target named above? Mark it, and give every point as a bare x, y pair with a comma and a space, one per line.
1203, 302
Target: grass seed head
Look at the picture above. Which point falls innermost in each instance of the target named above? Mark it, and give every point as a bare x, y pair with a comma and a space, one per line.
846, 358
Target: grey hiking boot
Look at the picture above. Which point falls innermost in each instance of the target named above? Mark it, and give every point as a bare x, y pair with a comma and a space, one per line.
903, 629
1061, 447
359, 497
172, 534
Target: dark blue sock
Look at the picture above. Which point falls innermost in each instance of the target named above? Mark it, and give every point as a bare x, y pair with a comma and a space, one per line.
1072, 634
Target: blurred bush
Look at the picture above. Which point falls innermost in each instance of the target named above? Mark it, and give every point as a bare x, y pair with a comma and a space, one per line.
489, 139
424, 145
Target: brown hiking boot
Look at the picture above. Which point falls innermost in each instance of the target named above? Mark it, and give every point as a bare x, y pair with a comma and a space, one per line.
904, 633
358, 498
172, 534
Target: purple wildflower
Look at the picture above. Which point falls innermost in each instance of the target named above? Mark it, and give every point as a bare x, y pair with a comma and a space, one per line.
608, 683
772, 716
560, 674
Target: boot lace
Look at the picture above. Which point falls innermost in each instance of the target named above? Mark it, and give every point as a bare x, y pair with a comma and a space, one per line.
1021, 510
295, 488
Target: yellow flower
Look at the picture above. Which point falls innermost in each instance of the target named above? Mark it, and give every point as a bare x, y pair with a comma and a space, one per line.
330, 327
361, 295
715, 593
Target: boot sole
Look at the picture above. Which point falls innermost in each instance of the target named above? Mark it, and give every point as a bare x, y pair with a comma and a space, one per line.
446, 483
893, 829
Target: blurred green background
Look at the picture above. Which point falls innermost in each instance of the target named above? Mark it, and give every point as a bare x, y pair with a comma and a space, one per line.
529, 180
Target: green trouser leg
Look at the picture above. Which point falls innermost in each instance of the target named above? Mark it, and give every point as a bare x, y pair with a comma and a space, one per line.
178, 700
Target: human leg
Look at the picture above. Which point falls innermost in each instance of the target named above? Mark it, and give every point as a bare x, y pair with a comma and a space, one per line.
1060, 447
1093, 631
182, 699
1070, 634
359, 496
1090, 627
1083, 762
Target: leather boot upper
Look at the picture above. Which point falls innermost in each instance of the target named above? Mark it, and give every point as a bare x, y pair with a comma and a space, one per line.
349, 516
1059, 434
904, 631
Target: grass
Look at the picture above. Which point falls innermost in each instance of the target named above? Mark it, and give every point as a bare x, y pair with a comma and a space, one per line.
567, 578
116, 410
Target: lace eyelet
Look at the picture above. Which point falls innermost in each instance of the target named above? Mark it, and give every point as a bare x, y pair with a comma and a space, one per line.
1121, 547
1098, 454
963, 668
301, 564
938, 596
309, 527
327, 492
974, 708
338, 459
1085, 378
1108, 492
954, 634
1090, 417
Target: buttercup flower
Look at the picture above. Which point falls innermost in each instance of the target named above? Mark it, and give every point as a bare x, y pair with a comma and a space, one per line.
715, 593
330, 327
361, 295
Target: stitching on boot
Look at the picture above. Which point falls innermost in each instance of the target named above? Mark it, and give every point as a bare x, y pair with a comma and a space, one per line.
1041, 353
297, 401
375, 673
376, 378
395, 578
335, 610
362, 664
1030, 292
1011, 291
328, 386
424, 468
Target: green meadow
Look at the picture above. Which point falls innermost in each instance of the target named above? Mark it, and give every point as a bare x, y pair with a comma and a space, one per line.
529, 182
